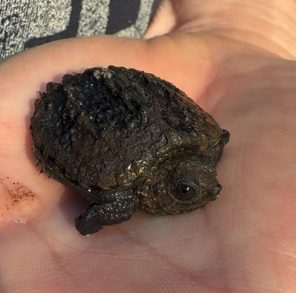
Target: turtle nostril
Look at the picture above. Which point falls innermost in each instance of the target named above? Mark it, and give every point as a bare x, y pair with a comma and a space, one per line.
225, 136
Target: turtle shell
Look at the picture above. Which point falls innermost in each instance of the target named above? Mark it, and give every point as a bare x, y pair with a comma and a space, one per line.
108, 128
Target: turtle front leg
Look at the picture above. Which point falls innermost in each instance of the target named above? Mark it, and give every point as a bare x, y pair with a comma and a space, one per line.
99, 215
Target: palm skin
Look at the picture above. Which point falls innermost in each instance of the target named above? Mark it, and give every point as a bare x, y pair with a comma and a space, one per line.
243, 242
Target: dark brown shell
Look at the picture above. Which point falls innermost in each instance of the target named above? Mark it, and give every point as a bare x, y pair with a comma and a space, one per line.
107, 128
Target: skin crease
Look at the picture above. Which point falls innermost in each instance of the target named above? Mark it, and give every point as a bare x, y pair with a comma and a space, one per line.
238, 64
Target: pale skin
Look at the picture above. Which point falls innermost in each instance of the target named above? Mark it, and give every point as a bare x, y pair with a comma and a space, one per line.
241, 69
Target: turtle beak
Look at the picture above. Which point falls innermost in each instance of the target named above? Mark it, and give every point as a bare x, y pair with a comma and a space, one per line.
214, 190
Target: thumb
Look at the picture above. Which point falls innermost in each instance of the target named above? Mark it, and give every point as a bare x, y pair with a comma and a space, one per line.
179, 58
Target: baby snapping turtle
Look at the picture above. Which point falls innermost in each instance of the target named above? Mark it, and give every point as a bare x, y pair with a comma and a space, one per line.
126, 139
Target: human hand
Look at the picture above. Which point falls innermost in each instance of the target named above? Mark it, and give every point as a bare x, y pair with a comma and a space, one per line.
243, 242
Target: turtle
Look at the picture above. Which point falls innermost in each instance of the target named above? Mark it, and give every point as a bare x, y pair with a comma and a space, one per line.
125, 139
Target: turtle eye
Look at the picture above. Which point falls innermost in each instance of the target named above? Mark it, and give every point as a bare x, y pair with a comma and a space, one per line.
184, 189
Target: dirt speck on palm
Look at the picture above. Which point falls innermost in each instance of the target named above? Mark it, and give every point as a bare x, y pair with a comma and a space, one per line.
17, 202
126, 139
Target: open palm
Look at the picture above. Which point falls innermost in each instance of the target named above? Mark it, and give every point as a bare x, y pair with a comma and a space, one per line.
243, 242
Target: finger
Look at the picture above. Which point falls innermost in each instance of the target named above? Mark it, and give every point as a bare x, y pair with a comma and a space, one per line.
177, 58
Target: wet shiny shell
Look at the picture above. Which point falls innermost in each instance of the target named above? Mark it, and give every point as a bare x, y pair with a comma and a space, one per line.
107, 128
